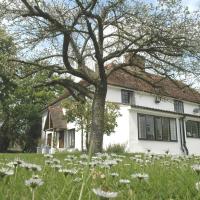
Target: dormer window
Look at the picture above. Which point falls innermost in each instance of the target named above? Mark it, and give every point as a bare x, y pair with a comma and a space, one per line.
127, 97
178, 106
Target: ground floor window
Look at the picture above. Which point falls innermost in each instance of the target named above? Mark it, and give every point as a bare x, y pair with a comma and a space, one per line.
61, 139
71, 138
193, 129
157, 128
49, 138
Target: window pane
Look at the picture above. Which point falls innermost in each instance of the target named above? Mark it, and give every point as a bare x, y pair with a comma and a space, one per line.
166, 130
189, 128
150, 127
142, 126
158, 128
178, 106
173, 129
192, 129
125, 96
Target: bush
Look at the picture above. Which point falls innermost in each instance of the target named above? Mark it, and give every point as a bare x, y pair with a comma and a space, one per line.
116, 148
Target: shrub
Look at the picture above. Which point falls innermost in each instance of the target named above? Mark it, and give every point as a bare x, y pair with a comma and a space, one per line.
116, 148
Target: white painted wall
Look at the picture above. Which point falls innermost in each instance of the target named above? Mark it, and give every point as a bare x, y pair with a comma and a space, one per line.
148, 100
137, 145
44, 117
193, 144
189, 107
121, 134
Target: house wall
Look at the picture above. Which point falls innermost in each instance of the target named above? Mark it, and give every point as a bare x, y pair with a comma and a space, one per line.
128, 121
193, 144
121, 134
126, 133
43, 135
137, 145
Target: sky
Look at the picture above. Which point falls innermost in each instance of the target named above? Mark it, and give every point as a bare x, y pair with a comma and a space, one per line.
192, 4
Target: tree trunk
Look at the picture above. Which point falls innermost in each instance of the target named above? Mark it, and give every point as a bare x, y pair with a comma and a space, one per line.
97, 127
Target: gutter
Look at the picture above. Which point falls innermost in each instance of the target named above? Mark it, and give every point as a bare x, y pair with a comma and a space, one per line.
183, 140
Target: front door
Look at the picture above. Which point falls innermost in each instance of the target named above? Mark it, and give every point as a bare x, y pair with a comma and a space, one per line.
61, 139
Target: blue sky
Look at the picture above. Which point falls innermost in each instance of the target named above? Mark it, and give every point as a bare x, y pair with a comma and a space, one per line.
192, 4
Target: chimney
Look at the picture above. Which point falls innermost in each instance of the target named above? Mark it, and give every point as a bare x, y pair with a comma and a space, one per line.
137, 62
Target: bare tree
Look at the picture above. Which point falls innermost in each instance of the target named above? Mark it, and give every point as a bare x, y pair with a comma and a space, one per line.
80, 38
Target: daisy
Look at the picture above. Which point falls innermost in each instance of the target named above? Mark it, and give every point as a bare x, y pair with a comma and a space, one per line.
124, 181
48, 156
104, 194
114, 174
197, 186
34, 182
68, 171
6, 172
196, 168
140, 176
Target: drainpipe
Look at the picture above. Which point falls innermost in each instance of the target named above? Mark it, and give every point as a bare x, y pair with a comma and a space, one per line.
184, 146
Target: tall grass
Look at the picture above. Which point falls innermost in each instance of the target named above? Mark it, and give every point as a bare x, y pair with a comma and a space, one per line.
169, 177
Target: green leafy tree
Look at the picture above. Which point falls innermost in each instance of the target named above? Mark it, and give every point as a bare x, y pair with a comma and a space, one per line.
20, 103
72, 37
80, 113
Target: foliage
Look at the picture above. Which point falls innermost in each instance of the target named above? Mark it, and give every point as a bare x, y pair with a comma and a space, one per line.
116, 148
20, 103
80, 113
170, 177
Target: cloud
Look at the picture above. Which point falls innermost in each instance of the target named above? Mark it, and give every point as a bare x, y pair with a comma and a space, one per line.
192, 4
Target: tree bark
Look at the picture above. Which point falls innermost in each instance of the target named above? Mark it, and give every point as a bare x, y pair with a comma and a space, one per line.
97, 127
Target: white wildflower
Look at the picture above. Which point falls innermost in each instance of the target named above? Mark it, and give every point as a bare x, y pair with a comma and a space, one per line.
6, 172
48, 156
114, 174
105, 194
68, 171
196, 168
140, 176
197, 186
56, 161
34, 182
124, 181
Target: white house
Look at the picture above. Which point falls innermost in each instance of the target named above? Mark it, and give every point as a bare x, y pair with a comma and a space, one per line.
157, 113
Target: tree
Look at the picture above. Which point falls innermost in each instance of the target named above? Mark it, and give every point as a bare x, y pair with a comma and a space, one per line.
7, 86
71, 38
80, 113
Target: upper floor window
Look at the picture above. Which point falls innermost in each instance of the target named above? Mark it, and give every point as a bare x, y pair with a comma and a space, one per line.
156, 128
193, 129
127, 96
178, 106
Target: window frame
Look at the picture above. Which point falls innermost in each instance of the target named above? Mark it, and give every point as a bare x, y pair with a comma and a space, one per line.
155, 138
198, 134
177, 103
130, 97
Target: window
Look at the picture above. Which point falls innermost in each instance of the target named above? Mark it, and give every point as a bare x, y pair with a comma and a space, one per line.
157, 128
71, 138
178, 106
127, 97
193, 129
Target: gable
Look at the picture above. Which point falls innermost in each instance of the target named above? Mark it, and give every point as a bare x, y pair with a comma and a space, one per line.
55, 119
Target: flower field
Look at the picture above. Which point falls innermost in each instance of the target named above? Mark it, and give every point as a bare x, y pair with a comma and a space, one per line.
105, 176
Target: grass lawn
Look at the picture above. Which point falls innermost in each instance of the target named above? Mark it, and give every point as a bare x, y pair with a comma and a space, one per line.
68, 176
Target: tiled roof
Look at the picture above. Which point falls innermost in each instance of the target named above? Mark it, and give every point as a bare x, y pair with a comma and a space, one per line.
57, 120
154, 84
150, 83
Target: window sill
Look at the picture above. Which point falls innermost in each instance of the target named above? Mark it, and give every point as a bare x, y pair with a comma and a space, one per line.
157, 140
